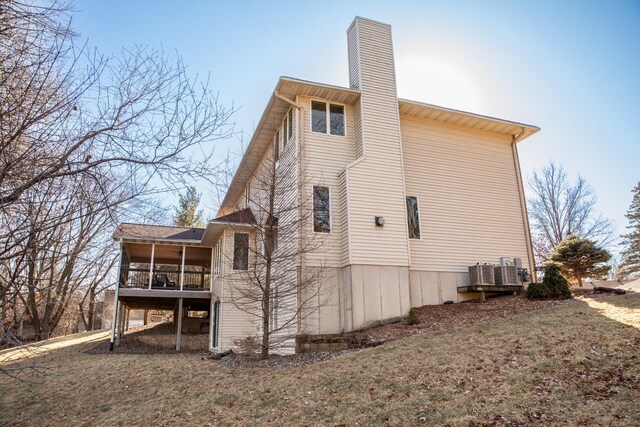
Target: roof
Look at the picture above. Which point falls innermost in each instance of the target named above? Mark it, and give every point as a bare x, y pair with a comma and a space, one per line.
284, 95
158, 232
241, 219
243, 216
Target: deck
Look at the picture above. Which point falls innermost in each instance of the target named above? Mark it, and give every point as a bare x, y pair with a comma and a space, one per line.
514, 289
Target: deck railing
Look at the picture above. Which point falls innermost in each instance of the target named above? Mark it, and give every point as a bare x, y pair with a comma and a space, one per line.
163, 279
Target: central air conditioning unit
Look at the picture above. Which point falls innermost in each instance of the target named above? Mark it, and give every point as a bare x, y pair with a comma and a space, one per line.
481, 274
506, 274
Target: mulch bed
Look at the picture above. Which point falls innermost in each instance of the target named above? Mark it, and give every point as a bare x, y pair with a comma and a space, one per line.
279, 362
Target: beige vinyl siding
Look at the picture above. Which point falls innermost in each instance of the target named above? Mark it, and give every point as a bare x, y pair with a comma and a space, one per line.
325, 157
468, 196
234, 323
375, 184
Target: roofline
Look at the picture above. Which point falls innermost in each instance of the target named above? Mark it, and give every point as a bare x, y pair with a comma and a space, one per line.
322, 85
162, 225
273, 98
151, 239
467, 113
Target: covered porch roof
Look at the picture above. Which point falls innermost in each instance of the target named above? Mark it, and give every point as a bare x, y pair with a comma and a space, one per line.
140, 237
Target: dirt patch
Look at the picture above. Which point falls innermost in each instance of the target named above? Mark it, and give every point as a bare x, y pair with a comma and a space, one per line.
438, 318
130, 343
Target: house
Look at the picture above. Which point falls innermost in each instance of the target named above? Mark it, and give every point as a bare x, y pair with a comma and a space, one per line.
402, 196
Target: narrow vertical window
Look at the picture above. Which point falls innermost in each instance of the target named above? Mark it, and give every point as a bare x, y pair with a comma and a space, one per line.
285, 131
241, 251
413, 217
321, 210
319, 117
276, 149
247, 195
336, 119
290, 122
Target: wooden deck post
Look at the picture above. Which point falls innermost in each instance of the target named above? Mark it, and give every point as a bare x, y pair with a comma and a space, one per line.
126, 321
179, 328
146, 316
184, 252
153, 254
115, 301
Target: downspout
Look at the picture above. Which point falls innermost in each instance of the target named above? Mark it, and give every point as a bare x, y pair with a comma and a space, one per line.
523, 204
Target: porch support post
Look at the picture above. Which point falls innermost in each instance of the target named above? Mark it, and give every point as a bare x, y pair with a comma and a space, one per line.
211, 272
115, 301
153, 254
126, 321
184, 252
179, 329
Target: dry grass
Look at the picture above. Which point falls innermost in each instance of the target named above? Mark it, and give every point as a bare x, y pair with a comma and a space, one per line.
570, 364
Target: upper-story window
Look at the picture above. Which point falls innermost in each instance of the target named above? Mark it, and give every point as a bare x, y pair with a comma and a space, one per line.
287, 127
413, 217
247, 195
276, 148
240, 251
327, 118
321, 210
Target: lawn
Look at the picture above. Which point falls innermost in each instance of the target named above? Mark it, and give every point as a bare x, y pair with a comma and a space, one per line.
575, 363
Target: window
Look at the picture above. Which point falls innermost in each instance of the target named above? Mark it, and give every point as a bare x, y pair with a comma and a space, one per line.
321, 115
321, 210
318, 117
241, 251
413, 217
217, 260
247, 195
287, 127
276, 149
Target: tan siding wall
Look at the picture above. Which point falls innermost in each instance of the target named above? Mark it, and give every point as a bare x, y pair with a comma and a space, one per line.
375, 184
325, 157
467, 193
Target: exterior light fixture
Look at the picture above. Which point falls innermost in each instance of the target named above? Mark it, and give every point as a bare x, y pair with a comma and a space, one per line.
379, 221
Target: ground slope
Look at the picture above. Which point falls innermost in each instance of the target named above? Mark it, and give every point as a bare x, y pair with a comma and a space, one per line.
574, 363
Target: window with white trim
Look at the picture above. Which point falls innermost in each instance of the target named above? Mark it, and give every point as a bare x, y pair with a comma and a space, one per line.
413, 217
327, 118
241, 251
247, 195
321, 210
217, 259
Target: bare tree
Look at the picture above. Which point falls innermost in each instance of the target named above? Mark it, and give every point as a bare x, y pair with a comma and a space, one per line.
558, 209
83, 138
272, 287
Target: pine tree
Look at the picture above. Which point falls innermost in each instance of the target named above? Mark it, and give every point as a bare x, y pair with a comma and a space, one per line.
630, 264
187, 213
580, 258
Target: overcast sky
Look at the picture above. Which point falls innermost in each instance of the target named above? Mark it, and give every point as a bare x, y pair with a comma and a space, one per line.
569, 67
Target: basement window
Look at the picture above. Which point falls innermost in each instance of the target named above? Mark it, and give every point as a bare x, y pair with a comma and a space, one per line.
413, 217
323, 113
321, 210
240, 251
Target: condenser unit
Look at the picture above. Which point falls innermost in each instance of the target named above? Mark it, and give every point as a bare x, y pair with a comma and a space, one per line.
481, 274
506, 275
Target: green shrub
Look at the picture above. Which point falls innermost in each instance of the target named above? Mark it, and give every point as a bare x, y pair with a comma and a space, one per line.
537, 291
413, 318
555, 281
553, 286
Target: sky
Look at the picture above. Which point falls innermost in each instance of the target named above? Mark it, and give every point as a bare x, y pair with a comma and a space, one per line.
570, 67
